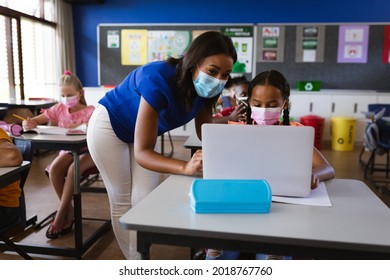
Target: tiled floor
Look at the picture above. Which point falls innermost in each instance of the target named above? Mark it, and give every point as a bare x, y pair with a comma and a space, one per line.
41, 200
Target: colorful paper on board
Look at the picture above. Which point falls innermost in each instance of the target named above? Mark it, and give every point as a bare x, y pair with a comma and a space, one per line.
134, 46
353, 44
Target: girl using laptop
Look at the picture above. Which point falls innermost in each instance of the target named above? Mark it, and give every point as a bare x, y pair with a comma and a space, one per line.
268, 97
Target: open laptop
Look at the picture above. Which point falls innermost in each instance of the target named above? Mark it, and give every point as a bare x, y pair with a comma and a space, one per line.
282, 155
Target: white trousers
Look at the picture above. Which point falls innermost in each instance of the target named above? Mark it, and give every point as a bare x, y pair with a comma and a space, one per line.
126, 181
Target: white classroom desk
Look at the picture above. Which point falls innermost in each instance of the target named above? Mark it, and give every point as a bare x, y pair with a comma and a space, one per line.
8, 175
33, 105
357, 226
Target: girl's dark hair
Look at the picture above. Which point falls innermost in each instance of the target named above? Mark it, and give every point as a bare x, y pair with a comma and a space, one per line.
276, 79
241, 80
205, 45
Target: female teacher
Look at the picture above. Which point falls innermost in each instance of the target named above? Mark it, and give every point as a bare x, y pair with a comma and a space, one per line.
151, 100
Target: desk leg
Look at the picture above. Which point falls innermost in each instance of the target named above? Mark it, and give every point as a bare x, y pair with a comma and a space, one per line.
193, 150
78, 236
143, 246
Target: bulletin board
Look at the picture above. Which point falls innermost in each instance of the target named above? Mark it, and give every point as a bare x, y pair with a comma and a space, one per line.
372, 75
113, 66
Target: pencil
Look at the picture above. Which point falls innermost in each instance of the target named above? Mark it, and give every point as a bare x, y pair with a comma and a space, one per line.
19, 117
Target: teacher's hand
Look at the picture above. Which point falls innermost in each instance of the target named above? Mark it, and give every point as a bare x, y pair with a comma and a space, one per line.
195, 165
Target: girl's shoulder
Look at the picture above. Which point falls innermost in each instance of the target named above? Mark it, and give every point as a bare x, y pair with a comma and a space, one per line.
58, 108
292, 123
86, 110
89, 108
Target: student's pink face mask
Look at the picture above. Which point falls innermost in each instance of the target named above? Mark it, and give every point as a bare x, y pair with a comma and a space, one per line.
70, 101
266, 116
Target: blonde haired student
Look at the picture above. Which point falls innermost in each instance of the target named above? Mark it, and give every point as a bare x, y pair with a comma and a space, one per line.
71, 112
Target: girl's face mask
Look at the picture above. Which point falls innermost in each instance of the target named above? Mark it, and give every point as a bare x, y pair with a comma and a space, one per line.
70, 101
266, 116
207, 86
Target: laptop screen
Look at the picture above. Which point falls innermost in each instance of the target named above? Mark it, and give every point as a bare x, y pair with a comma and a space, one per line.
282, 155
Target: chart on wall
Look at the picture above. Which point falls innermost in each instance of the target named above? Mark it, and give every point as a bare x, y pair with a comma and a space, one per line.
242, 37
353, 44
270, 43
310, 43
134, 46
167, 43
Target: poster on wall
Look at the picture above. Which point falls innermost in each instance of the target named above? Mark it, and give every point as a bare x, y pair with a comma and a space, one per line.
353, 44
386, 45
242, 37
167, 43
113, 39
270, 43
134, 46
310, 44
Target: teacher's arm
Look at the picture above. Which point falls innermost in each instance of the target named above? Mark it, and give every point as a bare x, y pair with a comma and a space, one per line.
145, 137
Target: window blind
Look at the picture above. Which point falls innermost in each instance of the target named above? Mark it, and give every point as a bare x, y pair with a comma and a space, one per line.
37, 49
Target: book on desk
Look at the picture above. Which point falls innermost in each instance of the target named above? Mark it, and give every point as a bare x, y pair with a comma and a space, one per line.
55, 130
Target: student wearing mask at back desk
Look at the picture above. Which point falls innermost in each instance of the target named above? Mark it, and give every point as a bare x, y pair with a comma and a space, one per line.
71, 112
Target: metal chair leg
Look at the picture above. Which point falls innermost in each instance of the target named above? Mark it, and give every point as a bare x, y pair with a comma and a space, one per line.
387, 164
16, 248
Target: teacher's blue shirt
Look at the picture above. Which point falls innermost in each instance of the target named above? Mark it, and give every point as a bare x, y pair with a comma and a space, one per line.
156, 83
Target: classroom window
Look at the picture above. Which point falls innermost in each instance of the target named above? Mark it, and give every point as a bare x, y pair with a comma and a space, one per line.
27, 49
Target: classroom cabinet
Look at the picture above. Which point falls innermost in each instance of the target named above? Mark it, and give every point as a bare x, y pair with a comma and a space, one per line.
334, 103
353, 104
383, 98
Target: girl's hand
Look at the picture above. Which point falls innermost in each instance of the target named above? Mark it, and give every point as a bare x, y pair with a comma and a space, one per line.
314, 181
29, 124
195, 164
239, 113
74, 125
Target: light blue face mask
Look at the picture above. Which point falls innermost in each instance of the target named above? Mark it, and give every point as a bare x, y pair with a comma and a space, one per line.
207, 86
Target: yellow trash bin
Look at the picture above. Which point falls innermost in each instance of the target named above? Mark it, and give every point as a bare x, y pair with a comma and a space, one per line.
343, 133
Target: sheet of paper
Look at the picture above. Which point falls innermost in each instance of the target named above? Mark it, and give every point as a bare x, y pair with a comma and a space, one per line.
47, 129
82, 127
317, 197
